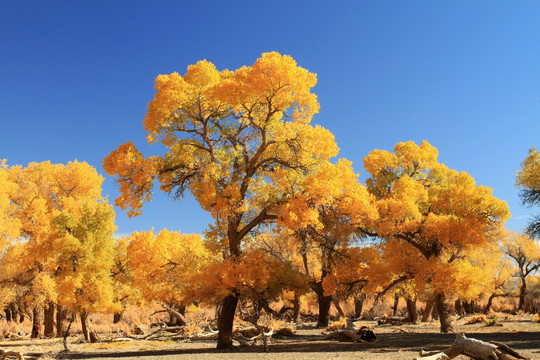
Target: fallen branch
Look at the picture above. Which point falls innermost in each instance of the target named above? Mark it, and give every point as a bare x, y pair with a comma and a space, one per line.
474, 349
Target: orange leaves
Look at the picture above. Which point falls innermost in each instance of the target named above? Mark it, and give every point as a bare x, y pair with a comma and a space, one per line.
163, 267
274, 81
137, 174
253, 275
439, 214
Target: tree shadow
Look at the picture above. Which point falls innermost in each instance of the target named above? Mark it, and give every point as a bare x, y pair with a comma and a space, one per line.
305, 344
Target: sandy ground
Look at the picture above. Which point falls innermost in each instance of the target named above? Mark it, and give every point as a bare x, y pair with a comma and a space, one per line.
393, 343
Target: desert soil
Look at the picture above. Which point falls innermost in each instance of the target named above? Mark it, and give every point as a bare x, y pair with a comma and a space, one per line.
393, 343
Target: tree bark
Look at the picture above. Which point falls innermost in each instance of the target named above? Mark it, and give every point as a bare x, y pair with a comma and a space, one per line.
335, 300
7, 311
226, 320
442, 309
458, 306
411, 309
61, 320
396, 304
324, 309
296, 308
176, 315
117, 317
49, 319
427, 310
37, 321
522, 291
359, 304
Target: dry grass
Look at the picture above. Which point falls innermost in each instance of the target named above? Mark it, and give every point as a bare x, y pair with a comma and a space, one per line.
475, 319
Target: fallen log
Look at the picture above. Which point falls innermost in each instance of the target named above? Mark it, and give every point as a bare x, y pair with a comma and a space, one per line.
4, 355
474, 349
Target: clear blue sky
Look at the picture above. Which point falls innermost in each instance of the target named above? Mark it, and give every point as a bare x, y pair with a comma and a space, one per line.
76, 77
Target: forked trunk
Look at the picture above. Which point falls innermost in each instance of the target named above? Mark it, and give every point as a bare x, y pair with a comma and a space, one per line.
61, 320
225, 321
411, 309
49, 319
442, 309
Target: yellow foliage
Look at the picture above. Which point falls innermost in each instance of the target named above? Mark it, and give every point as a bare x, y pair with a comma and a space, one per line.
163, 266
432, 219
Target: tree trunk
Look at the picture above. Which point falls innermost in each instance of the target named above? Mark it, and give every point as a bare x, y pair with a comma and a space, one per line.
468, 307
396, 304
324, 309
7, 311
117, 317
37, 321
489, 303
335, 300
226, 320
442, 309
49, 319
296, 308
427, 311
411, 309
359, 304
522, 291
176, 315
84, 325
458, 306
61, 320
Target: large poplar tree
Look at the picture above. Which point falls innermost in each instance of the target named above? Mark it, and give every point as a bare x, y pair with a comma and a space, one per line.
235, 140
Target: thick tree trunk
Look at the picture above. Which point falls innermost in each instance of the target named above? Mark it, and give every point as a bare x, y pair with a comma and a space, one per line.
61, 320
226, 320
442, 309
49, 320
37, 321
411, 309
427, 310
522, 291
296, 308
324, 309
396, 304
359, 304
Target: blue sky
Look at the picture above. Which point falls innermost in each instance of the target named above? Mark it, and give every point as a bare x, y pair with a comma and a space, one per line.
76, 77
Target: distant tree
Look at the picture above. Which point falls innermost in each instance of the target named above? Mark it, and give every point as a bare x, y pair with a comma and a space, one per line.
439, 212
235, 140
526, 253
63, 256
528, 181
163, 266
